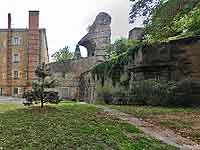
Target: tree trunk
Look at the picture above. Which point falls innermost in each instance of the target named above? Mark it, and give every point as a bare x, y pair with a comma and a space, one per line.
42, 99
42, 103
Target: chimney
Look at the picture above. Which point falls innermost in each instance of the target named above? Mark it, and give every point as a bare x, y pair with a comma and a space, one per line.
33, 20
9, 21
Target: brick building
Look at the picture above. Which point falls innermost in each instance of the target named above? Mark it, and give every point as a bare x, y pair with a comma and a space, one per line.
21, 50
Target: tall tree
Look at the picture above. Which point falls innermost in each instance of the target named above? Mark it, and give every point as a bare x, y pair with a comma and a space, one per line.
142, 8
62, 55
169, 19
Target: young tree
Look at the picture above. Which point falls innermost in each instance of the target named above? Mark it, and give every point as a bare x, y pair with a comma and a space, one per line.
41, 72
38, 87
62, 55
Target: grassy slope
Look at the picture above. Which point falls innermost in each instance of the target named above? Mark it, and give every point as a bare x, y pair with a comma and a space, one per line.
69, 126
185, 121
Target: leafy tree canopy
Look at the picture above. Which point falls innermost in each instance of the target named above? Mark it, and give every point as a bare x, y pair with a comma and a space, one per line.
62, 55
142, 8
119, 47
172, 18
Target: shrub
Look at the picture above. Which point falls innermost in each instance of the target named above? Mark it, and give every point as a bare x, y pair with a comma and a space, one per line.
104, 93
165, 93
152, 92
112, 94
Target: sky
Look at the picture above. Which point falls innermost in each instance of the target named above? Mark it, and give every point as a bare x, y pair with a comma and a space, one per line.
66, 21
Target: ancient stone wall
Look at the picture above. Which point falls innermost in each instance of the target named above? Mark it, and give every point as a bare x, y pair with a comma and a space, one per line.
98, 36
69, 75
74, 82
175, 60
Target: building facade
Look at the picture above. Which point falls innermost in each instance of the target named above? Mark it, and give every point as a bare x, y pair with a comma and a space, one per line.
21, 50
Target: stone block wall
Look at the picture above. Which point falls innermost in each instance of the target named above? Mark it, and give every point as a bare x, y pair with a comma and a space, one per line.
174, 60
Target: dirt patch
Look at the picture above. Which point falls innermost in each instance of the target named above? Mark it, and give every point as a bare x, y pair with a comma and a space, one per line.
153, 126
44, 110
184, 124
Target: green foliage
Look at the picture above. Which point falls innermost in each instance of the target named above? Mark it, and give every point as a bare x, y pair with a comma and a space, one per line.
112, 95
152, 92
172, 18
143, 9
115, 67
38, 93
62, 55
111, 69
71, 126
119, 47
189, 22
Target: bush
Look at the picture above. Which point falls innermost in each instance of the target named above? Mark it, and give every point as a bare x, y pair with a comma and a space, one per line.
112, 95
152, 92
104, 93
49, 97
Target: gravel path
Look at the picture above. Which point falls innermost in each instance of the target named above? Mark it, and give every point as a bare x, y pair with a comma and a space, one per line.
165, 135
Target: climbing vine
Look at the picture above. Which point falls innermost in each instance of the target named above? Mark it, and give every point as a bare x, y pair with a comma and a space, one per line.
114, 68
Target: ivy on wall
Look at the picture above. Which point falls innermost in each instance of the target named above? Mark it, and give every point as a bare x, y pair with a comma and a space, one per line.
114, 68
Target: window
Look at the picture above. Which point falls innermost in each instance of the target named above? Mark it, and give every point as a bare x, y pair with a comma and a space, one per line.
15, 91
16, 75
16, 40
16, 58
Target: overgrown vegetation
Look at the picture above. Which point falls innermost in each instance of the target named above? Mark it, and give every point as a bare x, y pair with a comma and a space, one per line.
173, 18
150, 92
71, 126
120, 54
164, 20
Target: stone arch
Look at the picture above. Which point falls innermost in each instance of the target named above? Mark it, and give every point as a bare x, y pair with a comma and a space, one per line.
98, 36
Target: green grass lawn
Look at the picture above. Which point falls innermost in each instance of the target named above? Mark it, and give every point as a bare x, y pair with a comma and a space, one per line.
185, 121
9, 107
69, 126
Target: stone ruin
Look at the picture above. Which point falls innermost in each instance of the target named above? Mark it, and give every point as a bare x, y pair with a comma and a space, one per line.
98, 36
73, 84
174, 60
